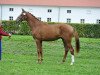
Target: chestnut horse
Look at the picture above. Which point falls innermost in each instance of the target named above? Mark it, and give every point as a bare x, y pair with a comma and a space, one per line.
43, 32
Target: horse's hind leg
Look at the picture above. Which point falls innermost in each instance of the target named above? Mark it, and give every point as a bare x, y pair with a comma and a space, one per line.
72, 52
66, 50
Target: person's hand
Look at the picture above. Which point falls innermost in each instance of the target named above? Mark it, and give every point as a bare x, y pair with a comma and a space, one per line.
9, 35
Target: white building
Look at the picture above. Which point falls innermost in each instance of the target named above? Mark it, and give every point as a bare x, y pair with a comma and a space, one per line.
67, 11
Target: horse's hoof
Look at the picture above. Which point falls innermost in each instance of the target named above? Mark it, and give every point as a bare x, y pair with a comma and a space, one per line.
39, 62
41, 59
63, 61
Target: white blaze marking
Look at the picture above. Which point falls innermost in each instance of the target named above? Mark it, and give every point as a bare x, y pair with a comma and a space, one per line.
24, 13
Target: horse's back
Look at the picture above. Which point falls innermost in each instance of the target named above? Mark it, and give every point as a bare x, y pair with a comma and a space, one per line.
64, 28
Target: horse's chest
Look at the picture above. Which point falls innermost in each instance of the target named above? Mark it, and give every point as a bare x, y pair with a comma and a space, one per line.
36, 34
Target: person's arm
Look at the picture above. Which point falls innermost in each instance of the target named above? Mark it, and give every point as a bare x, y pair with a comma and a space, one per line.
3, 33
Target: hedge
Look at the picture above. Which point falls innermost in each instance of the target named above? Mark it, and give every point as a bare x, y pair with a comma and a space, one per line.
84, 30
88, 30
14, 28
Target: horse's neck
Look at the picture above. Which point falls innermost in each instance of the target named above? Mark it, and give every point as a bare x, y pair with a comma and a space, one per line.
33, 22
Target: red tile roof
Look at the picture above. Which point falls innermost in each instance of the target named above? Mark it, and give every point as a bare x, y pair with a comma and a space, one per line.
84, 3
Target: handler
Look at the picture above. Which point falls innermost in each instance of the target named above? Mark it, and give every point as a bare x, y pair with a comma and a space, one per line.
2, 33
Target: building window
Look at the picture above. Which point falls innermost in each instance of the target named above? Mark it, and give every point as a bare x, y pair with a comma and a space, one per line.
82, 21
11, 9
10, 17
68, 11
49, 10
48, 19
98, 21
39, 18
68, 20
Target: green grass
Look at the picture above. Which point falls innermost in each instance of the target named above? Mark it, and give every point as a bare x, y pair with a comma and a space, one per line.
19, 57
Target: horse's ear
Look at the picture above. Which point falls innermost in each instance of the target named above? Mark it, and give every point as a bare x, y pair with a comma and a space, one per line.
23, 10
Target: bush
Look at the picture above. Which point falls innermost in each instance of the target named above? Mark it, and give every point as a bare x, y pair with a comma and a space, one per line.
24, 29
88, 30
13, 27
84, 30
10, 26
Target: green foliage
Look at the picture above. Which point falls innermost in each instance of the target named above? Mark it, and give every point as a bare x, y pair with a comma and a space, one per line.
24, 29
84, 30
10, 26
87, 30
13, 27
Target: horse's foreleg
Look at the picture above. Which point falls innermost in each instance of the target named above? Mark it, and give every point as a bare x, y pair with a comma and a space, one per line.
39, 50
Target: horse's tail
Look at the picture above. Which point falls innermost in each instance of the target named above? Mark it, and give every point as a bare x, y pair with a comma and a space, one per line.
77, 41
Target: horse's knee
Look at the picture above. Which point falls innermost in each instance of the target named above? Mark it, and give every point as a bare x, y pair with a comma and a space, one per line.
63, 60
38, 52
72, 51
41, 52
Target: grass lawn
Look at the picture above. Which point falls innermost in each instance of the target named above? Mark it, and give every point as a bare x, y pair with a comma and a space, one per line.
19, 57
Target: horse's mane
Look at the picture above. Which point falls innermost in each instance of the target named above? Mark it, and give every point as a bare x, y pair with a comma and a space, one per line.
37, 18
34, 16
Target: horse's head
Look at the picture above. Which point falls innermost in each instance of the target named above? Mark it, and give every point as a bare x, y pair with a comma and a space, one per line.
22, 16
